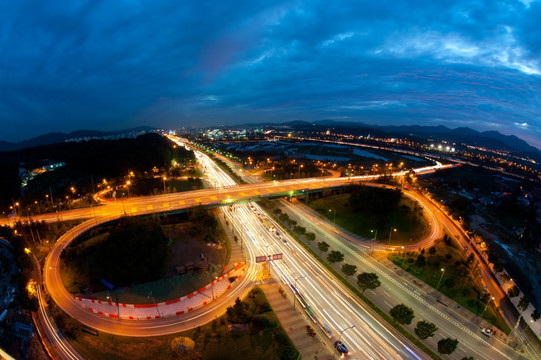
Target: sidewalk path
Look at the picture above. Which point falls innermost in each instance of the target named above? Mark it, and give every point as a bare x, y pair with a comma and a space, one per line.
295, 324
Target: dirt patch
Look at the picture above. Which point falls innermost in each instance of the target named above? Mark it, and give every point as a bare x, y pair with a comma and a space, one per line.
185, 249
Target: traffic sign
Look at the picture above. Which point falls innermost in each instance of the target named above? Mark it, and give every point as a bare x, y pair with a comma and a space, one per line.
277, 256
259, 259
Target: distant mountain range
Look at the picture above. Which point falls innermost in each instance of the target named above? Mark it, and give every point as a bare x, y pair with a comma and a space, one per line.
57, 137
489, 139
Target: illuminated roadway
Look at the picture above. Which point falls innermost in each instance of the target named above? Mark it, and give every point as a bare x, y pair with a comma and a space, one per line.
114, 209
370, 337
334, 303
397, 289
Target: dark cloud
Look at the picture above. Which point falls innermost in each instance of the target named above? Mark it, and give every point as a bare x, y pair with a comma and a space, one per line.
112, 64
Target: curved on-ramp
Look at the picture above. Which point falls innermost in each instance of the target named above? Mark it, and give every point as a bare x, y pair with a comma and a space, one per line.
162, 326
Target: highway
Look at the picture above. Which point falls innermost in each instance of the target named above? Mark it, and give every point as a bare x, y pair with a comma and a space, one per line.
398, 289
331, 301
455, 325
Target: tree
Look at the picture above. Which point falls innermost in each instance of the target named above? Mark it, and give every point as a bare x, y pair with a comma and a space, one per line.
432, 250
322, 247
505, 278
277, 211
299, 229
349, 269
535, 315
310, 236
237, 313
447, 345
182, 345
283, 217
402, 314
498, 267
335, 257
425, 329
468, 358
367, 281
421, 261
513, 291
523, 304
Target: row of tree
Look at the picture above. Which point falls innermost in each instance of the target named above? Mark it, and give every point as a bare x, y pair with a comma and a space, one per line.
370, 281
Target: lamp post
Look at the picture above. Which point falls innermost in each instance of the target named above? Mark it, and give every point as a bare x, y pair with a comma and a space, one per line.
154, 301
300, 166
164, 178
441, 277
340, 337
110, 299
128, 183
391, 233
403, 257
374, 239
488, 302
212, 287
295, 284
334, 216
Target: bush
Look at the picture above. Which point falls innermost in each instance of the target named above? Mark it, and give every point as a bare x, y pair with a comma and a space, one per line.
402, 314
447, 346
513, 291
264, 321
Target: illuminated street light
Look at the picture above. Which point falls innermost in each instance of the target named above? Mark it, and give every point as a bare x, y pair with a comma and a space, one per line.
340, 337
164, 178
488, 302
439, 282
391, 233
334, 216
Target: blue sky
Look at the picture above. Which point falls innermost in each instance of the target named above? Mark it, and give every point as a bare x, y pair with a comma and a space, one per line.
105, 65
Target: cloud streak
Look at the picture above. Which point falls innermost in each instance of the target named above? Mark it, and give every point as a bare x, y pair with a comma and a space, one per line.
107, 65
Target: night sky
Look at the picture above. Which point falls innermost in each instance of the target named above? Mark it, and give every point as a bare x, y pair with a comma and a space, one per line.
106, 65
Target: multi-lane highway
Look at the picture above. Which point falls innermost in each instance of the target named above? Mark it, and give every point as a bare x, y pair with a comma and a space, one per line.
398, 289
332, 303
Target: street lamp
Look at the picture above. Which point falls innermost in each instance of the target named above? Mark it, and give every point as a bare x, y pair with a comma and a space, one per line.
128, 183
295, 285
374, 239
488, 302
441, 277
340, 337
403, 257
164, 178
154, 301
391, 233
334, 216
300, 166
212, 287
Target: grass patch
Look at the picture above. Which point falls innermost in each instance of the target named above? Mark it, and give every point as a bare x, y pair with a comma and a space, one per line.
264, 339
357, 292
79, 277
405, 217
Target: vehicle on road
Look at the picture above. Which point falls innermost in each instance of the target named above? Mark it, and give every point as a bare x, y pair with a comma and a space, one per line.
487, 331
341, 347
